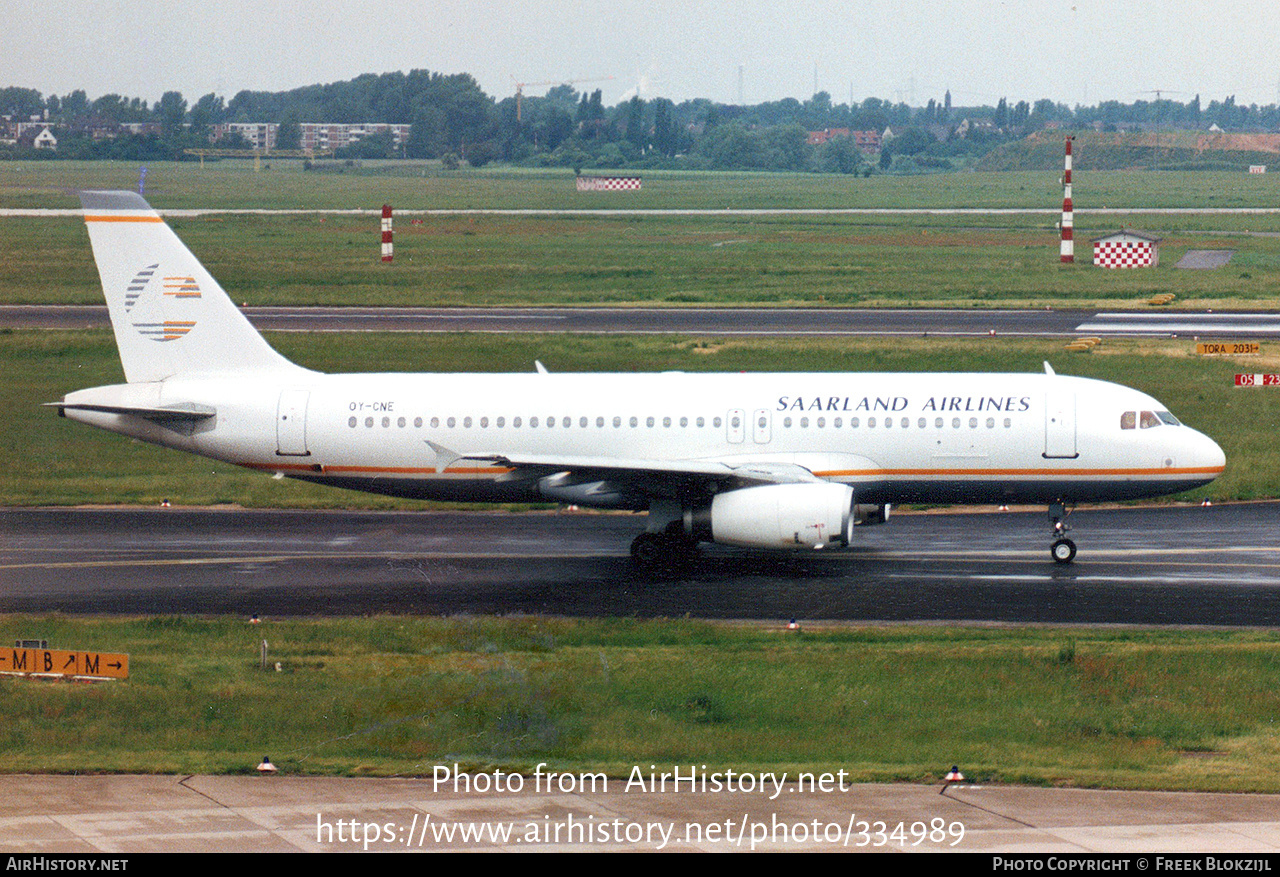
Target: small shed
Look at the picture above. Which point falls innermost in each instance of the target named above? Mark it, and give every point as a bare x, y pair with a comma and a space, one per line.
1126, 249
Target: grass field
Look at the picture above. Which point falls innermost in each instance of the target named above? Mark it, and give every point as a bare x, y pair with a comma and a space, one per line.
424, 185
396, 695
664, 260
48, 461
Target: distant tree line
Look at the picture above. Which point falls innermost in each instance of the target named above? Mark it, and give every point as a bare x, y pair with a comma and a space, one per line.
451, 116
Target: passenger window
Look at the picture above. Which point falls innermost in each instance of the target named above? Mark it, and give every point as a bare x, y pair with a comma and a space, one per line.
1128, 420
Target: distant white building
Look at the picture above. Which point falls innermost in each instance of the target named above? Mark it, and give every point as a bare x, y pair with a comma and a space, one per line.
315, 135
34, 134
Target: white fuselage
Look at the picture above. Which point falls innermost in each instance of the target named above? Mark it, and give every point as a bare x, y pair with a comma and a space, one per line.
946, 438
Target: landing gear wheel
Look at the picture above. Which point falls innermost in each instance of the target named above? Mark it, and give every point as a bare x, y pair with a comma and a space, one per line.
1063, 550
662, 553
648, 550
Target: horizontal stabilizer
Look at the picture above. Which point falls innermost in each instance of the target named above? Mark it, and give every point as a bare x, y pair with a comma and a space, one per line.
188, 412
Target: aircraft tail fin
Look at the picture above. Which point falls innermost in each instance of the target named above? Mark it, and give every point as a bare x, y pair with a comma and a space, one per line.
168, 313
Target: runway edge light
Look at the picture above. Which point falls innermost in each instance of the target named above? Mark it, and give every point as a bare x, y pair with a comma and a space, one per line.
266, 767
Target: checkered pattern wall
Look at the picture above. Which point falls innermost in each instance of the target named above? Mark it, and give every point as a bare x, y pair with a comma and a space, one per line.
1124, 254
608, 184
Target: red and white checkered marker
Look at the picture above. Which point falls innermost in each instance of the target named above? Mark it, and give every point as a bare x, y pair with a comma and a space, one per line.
608, 184
1123, 254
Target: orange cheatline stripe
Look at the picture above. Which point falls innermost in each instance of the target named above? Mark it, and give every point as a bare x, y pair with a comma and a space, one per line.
1200, 470
88, 218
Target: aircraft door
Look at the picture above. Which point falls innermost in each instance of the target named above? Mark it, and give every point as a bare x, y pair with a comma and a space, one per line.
762, 426
736, 423
1060, 425
291, 424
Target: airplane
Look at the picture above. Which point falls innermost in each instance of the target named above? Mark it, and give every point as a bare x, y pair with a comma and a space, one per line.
765, 460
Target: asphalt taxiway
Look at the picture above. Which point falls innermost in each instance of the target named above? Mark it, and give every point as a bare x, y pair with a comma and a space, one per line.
1150, 565
728, 322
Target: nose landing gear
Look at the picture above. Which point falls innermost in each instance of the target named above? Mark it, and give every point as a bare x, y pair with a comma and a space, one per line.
1062, 550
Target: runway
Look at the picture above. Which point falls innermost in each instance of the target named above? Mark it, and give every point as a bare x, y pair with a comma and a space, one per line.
1183, 565
709, 321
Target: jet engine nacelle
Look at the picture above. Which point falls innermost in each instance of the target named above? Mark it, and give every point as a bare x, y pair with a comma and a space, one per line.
813, 515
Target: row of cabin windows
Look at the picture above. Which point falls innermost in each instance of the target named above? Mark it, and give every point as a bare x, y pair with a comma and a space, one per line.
700, 422
534, 422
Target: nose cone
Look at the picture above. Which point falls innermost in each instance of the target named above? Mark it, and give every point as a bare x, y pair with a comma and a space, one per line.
1208, 458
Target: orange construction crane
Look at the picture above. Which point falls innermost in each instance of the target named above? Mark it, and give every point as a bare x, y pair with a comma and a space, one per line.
520, 89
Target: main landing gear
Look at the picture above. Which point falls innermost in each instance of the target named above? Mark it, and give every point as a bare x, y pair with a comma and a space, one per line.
663, 552
1063, 550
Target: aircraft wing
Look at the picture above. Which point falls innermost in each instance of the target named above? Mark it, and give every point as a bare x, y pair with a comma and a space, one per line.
739, 473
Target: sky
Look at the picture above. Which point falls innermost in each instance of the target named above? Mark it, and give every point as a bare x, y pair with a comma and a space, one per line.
1070, 51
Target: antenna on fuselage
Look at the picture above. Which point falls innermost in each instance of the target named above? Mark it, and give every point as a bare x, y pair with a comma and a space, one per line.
1048, 369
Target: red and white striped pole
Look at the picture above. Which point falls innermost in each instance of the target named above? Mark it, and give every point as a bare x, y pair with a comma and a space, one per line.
386, 232
1067, 252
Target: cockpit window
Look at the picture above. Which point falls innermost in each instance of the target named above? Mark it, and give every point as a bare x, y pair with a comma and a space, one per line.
1147, 419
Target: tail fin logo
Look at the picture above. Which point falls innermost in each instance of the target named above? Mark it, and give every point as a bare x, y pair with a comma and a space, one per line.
152, 309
